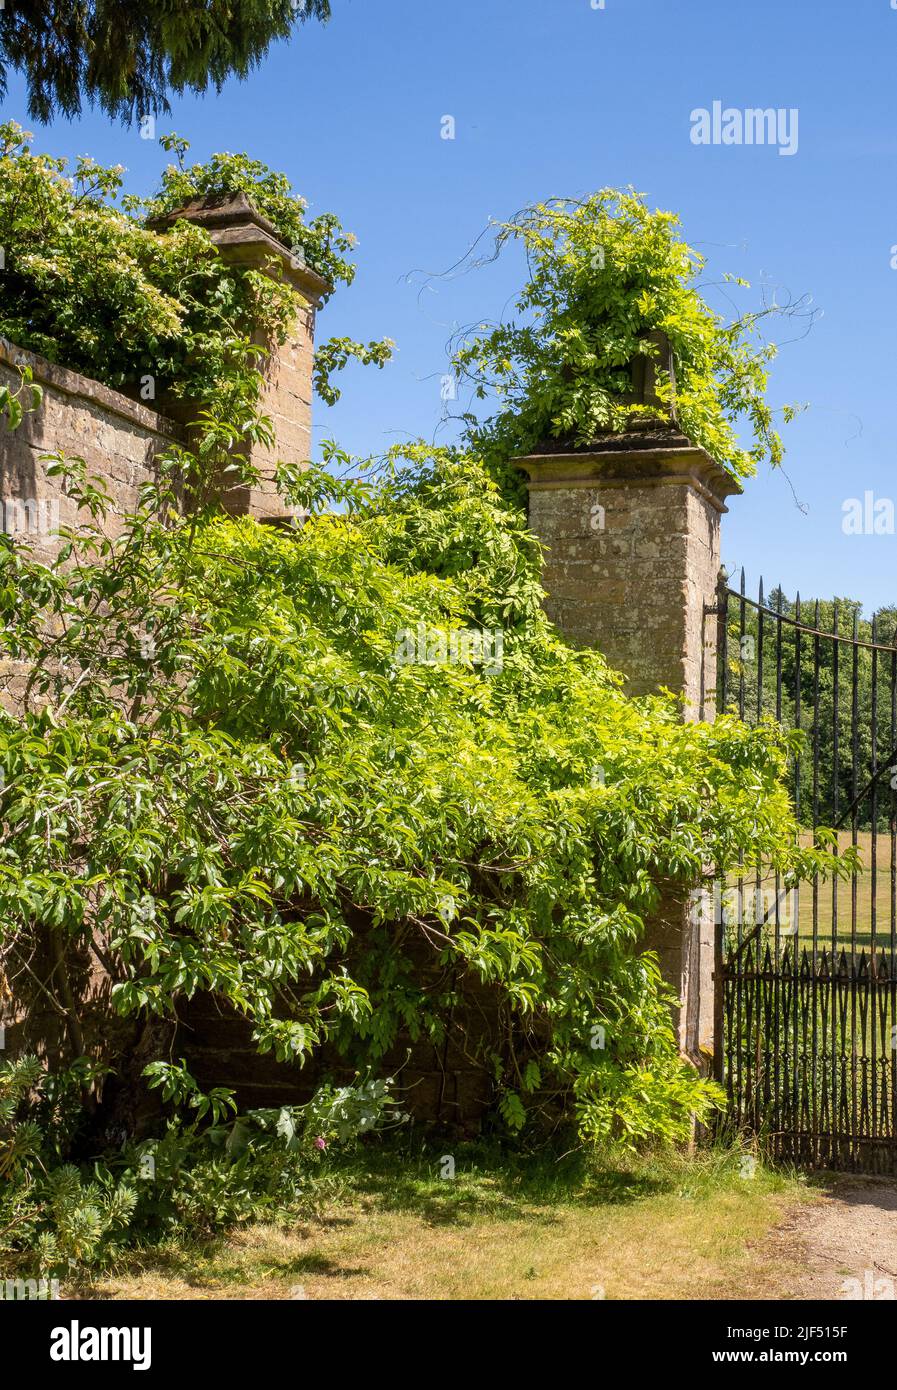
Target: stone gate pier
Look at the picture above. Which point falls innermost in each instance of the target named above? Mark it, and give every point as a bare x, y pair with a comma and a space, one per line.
631, 529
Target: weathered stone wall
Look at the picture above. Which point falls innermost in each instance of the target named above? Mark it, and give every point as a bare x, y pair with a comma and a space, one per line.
450, 1084
118, 438
286, 398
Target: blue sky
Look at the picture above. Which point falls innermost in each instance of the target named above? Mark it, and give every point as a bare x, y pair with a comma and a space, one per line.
553, 97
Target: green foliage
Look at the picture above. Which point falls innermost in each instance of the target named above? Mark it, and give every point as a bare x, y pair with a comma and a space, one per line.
229, 771
14, 403
130, 57
344, 777
18, 1139
347, 1111
79, 1220
61, 1218
603, 272
268, 1165
88, 285
64, 1218
178, 1086
333, 355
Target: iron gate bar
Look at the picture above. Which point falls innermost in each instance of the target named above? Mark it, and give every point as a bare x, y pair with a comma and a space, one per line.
807, 628
806, 1008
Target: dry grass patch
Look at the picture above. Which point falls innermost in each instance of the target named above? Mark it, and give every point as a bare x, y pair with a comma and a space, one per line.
523, 1229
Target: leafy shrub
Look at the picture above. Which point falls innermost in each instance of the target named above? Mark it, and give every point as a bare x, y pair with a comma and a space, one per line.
227, 774
603, 272
65, 1219
265, 1164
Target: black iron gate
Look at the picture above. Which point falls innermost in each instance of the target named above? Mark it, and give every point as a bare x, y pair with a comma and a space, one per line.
806, 980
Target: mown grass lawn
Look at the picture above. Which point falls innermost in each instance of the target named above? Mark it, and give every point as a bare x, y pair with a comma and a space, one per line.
835, 900
536, 1228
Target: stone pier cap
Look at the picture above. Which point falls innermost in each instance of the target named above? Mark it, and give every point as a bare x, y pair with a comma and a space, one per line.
655, 453
245, 237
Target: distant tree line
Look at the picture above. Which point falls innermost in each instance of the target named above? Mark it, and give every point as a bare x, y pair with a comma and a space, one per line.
792, 673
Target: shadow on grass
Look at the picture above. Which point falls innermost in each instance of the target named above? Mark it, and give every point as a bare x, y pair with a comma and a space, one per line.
209, 1265
481, 1180
284, 1269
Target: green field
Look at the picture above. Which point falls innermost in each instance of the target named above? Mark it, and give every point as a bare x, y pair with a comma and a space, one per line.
841, 1021
844, 902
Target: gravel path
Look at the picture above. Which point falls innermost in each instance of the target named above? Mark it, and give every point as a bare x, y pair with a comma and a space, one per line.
846, 1244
